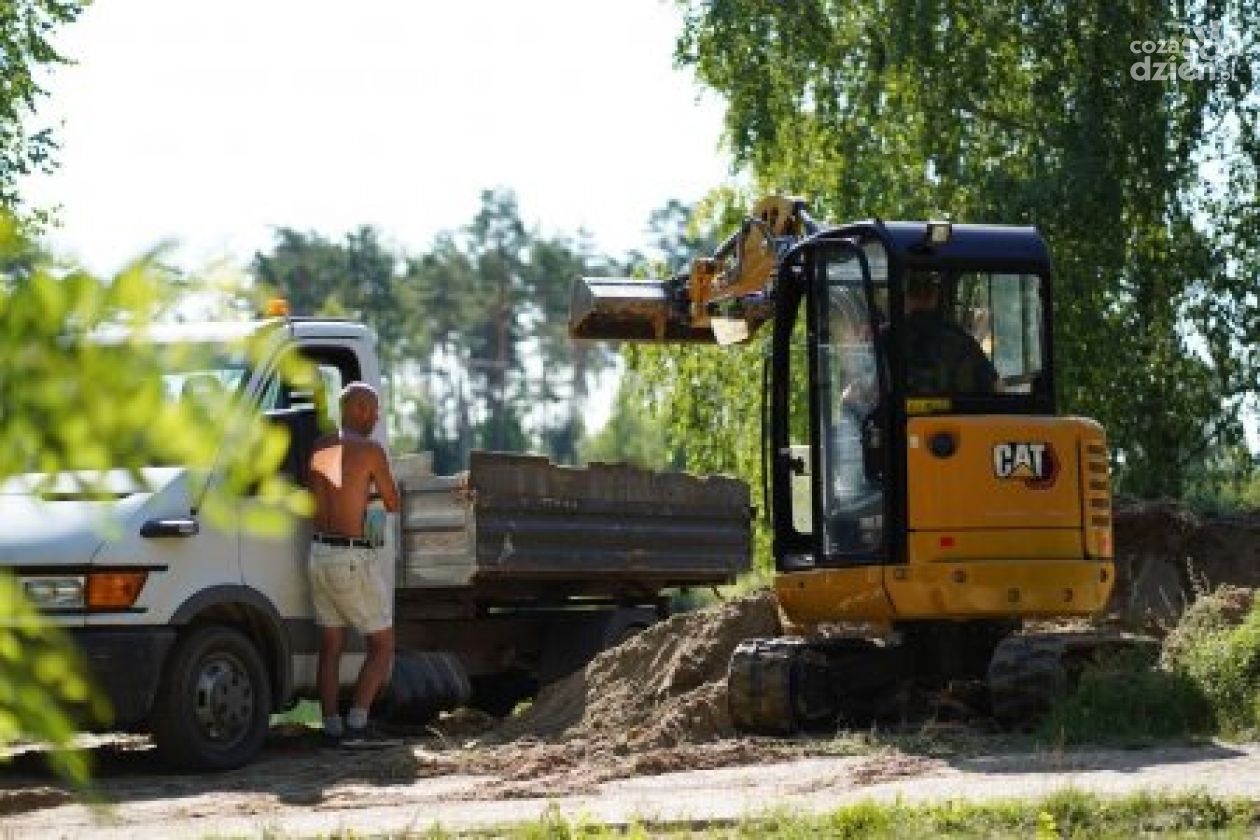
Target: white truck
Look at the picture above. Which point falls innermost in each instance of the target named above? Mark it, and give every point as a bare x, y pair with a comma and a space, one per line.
507, 577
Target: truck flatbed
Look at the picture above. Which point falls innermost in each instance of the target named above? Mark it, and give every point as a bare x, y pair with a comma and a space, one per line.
521, 526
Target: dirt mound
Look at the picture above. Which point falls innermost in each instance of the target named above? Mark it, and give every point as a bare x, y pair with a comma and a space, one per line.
665, 686
1166, 555
573, 768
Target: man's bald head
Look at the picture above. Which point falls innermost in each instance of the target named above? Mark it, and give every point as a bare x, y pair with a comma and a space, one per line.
359, 407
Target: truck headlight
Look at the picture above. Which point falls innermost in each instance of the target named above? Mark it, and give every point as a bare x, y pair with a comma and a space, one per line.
55, 593
113, 590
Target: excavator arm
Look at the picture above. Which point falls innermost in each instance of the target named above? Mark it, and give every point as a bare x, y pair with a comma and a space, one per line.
723, 298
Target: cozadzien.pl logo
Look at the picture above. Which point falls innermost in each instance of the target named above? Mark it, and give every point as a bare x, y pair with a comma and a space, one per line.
1201, 52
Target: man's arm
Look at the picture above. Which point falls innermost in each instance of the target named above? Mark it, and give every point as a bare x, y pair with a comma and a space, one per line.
383, 478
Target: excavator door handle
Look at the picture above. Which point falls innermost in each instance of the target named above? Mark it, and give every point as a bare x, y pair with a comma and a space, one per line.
797, 459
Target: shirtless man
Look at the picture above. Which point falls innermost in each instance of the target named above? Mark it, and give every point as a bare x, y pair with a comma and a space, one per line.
347, 581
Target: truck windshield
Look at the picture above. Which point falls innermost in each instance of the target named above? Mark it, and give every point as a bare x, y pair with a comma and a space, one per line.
198, 379
204, 372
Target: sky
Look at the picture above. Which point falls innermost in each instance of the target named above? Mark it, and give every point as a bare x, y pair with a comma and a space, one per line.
210, 124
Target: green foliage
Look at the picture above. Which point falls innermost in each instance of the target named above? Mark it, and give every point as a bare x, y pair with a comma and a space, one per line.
1216, 646
673, 242
1128, 701
1207, 682
1028, 114
25, 29
633, 433
1228, 480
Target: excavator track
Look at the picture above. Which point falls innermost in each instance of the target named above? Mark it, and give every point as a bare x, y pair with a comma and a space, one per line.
785, 685
1029, 672
1025, 676
761, 685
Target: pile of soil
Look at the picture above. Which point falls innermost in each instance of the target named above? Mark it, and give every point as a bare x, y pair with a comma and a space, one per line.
1167, 556
663, 687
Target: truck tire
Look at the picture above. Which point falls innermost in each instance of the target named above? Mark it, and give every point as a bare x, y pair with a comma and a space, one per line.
498, 694
625, 624
213, 704
422, 684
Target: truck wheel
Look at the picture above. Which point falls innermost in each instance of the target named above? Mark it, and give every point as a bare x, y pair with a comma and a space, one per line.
423, 683
213, 705
624, 627
498, 694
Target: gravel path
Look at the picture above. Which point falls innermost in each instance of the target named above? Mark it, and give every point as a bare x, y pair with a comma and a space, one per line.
299, 794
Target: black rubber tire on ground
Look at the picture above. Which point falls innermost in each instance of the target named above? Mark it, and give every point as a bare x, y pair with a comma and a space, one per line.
422, 684
498, 694
619, 632
213, 705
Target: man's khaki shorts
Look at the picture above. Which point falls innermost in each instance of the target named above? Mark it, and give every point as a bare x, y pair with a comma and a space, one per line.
348, 588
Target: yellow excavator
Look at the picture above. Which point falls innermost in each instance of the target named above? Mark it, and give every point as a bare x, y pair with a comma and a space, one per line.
919, 479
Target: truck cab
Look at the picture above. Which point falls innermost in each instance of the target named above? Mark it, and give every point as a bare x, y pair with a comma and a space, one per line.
196, 629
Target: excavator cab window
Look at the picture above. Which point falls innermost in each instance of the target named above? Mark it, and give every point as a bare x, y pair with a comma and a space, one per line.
801, 453
973, 335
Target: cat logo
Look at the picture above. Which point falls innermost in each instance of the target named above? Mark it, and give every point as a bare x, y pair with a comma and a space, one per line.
1033, 463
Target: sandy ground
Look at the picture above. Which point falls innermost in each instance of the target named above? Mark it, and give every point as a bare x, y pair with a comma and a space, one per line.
298, 789
641, 733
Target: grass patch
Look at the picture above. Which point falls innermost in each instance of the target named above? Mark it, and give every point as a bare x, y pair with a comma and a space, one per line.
1066, 814
1128, 701
1206, 682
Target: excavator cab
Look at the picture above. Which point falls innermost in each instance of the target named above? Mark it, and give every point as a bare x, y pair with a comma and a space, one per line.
919, 477
913, 443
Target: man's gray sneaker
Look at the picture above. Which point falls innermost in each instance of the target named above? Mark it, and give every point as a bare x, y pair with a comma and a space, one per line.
367, 738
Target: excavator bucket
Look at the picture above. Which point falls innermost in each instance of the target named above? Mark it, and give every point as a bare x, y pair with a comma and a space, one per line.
629, 309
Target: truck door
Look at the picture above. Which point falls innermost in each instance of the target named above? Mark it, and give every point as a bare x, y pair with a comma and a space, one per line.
306, 406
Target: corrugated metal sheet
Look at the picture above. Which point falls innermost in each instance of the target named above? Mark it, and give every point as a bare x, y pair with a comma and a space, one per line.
520, 517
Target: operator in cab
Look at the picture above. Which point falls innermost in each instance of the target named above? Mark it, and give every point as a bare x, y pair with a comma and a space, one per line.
348, 581
940, 356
